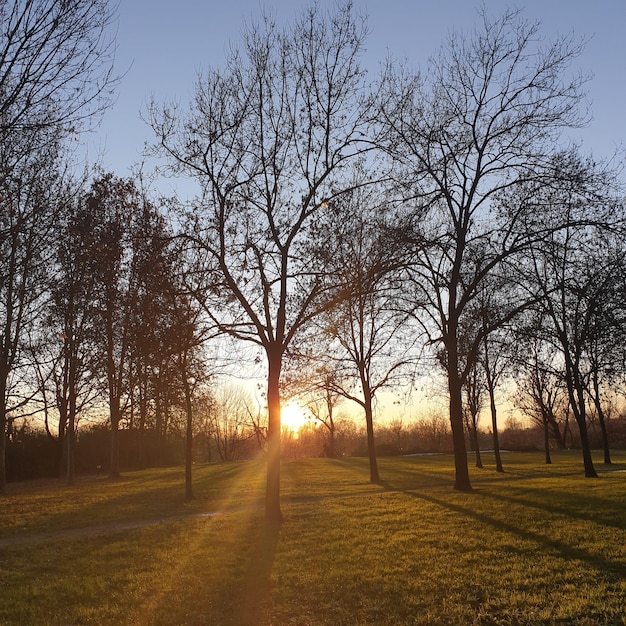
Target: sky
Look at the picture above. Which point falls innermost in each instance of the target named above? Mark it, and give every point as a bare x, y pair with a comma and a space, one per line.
163, 45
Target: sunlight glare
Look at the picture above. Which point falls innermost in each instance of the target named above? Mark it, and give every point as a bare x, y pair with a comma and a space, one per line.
293, 416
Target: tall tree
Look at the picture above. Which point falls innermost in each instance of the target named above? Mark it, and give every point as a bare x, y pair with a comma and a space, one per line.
485, 120
368, 331
28, 207
574, 269
187, 337
71, 321
268, 138
493, 360
162, 321
605, 346
498, 349
323, 411
56, 63
473, 391
122, 241
539, 392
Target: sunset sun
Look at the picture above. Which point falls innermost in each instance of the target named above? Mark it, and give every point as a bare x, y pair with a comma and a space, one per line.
293, 417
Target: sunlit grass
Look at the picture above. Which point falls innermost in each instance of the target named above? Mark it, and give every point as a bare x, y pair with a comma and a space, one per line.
537, 545
47, 506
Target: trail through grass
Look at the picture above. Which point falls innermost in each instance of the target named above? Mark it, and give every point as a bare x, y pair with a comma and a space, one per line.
536, 545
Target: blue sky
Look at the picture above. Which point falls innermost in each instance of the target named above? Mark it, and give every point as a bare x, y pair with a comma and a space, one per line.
164, 44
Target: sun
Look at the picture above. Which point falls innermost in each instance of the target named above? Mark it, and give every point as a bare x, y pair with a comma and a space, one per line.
293, 416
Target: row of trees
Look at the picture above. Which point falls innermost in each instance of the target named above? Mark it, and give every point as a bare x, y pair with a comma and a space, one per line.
434, 209
55, 79
228, 431
108, 332
354, 233
91, 320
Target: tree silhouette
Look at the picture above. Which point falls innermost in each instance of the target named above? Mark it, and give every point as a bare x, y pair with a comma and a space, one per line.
268, 139
484, 122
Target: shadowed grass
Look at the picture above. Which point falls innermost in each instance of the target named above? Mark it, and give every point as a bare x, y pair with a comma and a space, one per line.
537, 545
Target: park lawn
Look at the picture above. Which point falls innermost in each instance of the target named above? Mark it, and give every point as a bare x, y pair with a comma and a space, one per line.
536, 545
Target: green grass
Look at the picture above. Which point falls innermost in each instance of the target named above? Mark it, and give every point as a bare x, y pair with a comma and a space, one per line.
536, 545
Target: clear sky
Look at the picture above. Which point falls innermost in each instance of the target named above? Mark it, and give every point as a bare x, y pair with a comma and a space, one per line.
164, 44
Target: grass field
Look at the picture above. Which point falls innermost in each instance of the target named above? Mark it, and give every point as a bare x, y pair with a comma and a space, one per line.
537, 545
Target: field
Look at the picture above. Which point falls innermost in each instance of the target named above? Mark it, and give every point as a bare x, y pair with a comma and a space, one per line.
537, 545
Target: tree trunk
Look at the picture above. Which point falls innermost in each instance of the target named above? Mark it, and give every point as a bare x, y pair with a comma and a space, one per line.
577, 401
64, 412
143, 411
3, 432
189, 429
567, 430
479, 461
371, 447
461, 478
330, 452
115, 437
59, 451
494, 428
492, 405
546, 441
272, 493
71, 423
605, 438
71, 456
559, 438
331, 442
600, 412
590, 471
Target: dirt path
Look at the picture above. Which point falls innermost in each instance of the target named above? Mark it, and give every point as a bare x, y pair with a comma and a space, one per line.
100, 529
119, 527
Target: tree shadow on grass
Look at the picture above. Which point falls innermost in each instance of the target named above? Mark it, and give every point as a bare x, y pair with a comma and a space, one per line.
256, 586
561, 504
613, 569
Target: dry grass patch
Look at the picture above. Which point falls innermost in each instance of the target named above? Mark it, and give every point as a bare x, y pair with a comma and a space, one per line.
537, 545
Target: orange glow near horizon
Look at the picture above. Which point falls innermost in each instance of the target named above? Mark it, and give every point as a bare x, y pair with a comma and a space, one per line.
293, 416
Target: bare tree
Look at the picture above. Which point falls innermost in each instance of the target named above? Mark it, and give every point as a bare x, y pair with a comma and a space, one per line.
495, 359
573, 270
312, 379
605, 342
187, 338
268, 139
71, 321
55, 76
473, 391
484, 121
29, 202
189, 384
369, 334
323, 399
123, 242
56, 66
499, 348
231, 423
539, 393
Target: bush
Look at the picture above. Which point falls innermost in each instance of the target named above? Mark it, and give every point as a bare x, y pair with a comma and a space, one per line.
30, 454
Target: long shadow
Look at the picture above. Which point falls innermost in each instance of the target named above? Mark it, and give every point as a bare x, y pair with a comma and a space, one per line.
105, 512
557, 506
256, 584
615, 570
132, 509
413, 475
559, 503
